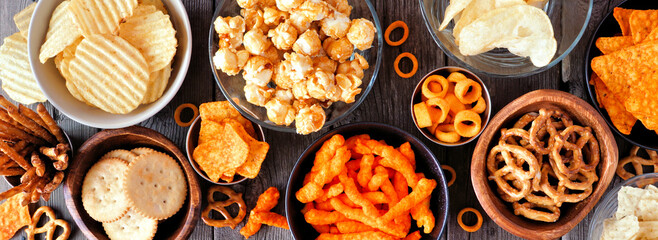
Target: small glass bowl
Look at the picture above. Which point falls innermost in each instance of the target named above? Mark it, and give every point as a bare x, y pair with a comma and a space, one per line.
608, 205
569, 19
232, 86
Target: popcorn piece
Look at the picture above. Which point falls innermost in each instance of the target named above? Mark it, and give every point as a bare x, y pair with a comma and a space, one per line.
322, 86
272, 54
314, 9
361, 33
273, 17
308, 43
283, 36
258, 71
280, 112
339, 50
287, 5
300, 91
247, 3
257, 95
341, 5
282, 75
310, 119
227, 61
302, 65
254, 19
349, 86
336, 25
300, 21
256, 42
324, 63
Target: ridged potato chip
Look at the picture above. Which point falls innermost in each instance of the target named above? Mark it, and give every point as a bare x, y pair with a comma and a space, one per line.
62, 32
110, 73
152, 32
156, 3
22, 19
100, 16
524, 30
159, 81
15, 72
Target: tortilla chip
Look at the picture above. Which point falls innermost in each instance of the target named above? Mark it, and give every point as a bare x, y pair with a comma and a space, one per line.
257, 151
223, 155
653, 36
609, 45
648, 230
209, 131
622, 119
642, 23
622, 15
218, 111
624, 228
13, 216
630, 73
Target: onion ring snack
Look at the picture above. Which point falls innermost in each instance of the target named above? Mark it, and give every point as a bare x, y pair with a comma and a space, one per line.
178, 111
414, 63
393, 26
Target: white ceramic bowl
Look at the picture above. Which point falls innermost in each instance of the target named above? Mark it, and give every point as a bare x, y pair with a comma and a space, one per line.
53, 84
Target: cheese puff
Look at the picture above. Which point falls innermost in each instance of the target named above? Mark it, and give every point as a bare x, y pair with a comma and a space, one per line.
319, 217
270, 219
351, 226
421, 191
376, 181
422, 213
406, 150
359, 215
392, 158
369, 235
353, 194
413, 236
365, 173
331, 191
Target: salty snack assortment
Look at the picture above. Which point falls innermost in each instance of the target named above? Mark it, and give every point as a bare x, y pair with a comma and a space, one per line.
227, 144
519, 26
115, 55
636, 216
450, 108
296, 57
537, 188
129, 191
627, 93
33, 148
359, 188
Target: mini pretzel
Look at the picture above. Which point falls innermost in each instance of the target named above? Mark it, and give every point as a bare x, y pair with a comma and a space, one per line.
50, 226
473, 228
528, 210
58, 154
220, 206
637, 162
545, 122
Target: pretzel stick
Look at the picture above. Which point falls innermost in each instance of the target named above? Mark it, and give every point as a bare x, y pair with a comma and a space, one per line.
4, 116
26, 151
54, 183
32, 115
38, 164
29, 175
11, 192
12, 171
45, 196
34, 197
31, 125
14, 156
50, 123
16, 133
19, 145
58, 155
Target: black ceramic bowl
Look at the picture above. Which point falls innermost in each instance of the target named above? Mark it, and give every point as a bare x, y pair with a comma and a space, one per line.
425, 163
608, 28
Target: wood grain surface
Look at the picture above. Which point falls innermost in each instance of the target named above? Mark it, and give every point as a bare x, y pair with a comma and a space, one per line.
388, 103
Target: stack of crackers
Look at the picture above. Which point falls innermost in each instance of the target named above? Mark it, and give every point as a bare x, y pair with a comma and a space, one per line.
130, 191
625, 78
227, 143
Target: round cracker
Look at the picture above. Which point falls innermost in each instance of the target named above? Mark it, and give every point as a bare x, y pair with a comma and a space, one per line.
152, 32
131, 226
142, 151
155, 185
102, 189
110, 73
122, 154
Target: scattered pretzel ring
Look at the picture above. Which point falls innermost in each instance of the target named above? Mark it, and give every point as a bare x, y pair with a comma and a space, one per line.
220, 206
414, 61
393, 26
637, 162
453, 175
49, 227
178, 111
527, 210
473, 228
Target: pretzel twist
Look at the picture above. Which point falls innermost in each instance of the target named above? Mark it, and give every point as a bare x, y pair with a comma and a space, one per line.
49, 227
220, 206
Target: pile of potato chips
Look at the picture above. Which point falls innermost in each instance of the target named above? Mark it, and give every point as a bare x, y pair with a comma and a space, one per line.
520, 26
227, 143
625, 78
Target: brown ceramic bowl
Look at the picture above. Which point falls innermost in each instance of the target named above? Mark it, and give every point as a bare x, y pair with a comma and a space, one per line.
179, 226
193, 140
445, 72
571, 214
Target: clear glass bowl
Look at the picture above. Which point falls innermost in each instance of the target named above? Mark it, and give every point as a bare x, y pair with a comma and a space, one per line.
232, 86
569, 18
608, 205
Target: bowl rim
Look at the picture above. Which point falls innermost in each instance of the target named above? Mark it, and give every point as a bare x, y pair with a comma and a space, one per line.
487, 198
611, 195
592, 92
259, 133
279, 128
193, 211
440, 182
487, 99
152, 108
553, 62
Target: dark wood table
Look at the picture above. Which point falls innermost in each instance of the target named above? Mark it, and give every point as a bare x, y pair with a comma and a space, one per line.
380, 106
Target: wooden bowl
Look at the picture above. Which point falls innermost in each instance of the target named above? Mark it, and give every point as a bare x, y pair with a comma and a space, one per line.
445, 72
179, 226
571, 214
192, 141
425, 160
